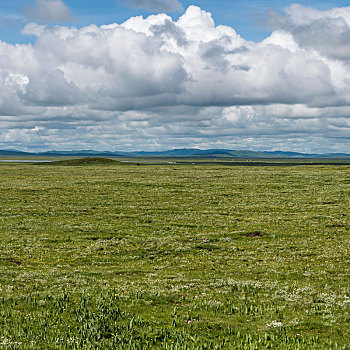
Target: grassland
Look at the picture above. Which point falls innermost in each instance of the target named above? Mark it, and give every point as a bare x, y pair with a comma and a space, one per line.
174, 257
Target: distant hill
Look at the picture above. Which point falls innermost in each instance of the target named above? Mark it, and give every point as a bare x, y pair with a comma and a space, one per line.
181, 153
14, 153
82, 153
83, 162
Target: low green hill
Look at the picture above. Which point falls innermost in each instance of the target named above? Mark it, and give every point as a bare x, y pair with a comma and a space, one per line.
84, 161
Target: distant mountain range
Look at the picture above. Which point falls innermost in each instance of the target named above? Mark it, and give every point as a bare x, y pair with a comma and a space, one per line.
181, 153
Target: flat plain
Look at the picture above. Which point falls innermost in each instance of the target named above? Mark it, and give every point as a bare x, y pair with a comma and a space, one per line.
174, 256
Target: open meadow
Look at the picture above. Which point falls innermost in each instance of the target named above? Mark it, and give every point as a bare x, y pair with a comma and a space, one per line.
169, 256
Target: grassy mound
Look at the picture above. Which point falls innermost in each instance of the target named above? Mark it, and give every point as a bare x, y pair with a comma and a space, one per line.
84, 161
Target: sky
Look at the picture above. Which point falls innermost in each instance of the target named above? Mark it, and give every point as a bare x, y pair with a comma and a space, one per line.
161, 74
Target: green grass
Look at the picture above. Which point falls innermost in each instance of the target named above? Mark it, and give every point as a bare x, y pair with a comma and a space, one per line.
174, 257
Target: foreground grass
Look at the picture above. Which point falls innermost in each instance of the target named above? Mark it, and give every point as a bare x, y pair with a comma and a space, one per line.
174, 257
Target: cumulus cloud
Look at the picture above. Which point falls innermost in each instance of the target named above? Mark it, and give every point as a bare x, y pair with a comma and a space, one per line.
156, 5
55, 11
328, 32
155, 82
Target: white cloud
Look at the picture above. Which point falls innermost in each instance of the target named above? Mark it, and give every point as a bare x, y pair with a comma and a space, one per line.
55, 11
301, 15
156, 81
327, 32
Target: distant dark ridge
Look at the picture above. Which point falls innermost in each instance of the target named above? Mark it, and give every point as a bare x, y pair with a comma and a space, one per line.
15, 153
184, 153
83, 153
83, 162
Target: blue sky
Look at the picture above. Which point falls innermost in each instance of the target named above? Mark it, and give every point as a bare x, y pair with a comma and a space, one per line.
268, 75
